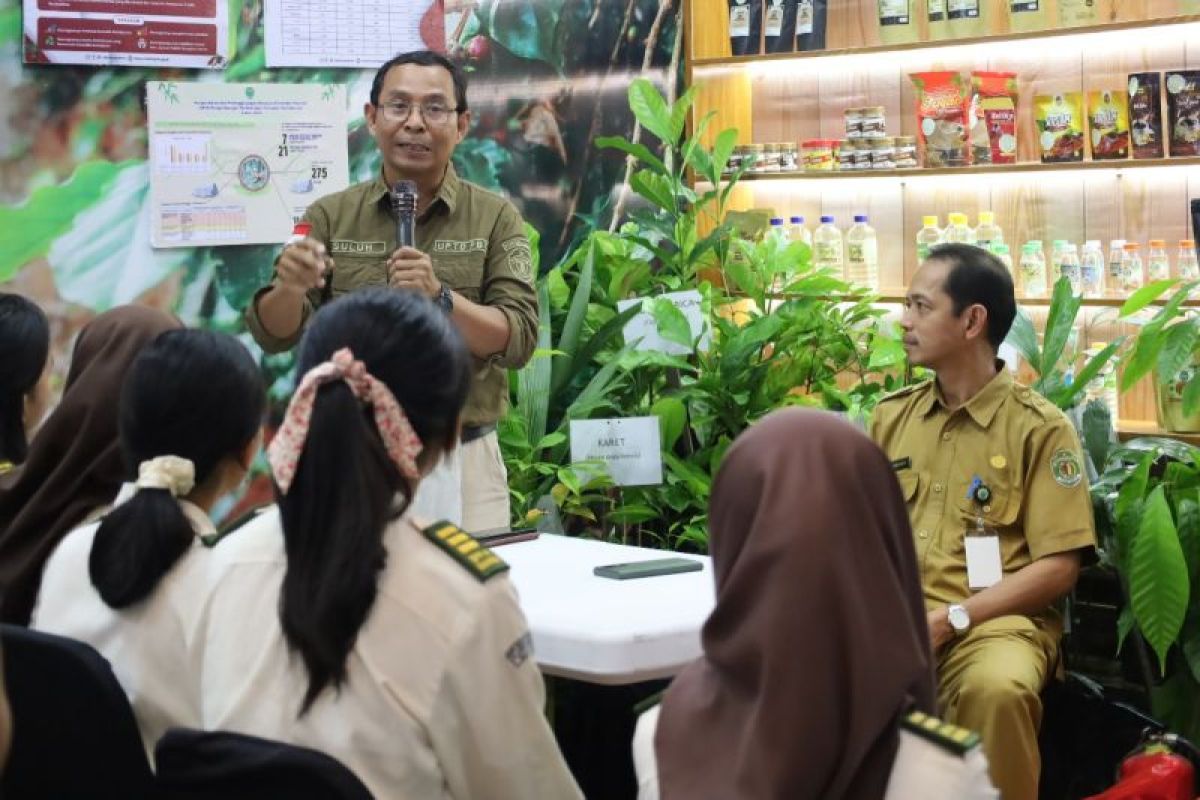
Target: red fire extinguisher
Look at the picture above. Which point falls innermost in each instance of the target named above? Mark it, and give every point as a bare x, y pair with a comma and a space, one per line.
1155, 771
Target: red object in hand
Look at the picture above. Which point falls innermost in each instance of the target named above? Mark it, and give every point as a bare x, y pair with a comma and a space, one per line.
302, 229
1155, 774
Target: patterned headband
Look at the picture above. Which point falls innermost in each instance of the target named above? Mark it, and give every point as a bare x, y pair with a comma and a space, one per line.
401, 441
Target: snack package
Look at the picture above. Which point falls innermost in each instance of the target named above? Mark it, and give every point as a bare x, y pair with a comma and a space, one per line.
993, 117
1145, 114
1060, 126
1183, 112
1108, 121
942, 118
745, 26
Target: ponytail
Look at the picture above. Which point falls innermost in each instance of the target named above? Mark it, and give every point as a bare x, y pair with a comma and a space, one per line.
334, 538
192, 400
350, 468
136, 544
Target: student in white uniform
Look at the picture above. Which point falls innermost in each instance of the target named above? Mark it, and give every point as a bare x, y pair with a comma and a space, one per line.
190, 416
340, 622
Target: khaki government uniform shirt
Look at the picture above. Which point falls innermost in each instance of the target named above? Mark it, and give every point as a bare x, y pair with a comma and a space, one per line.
443, 697
1020, 446
476, 240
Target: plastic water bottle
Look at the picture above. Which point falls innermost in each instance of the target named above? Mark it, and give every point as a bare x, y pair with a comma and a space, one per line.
1091, 268
988, 233
1071, 269
1186, 263
1057, 247
1104, 386
958, 231
1001, 252
1158, 264
778, 229
800, 231
1131, 268
1033, 269
862, 253
1116, 267
928, 238
827, 247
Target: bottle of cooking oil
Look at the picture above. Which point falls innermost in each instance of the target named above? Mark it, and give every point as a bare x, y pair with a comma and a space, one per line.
827, 247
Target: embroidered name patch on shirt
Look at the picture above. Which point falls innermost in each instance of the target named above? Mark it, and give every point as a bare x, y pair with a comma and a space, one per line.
351, 247
460, 246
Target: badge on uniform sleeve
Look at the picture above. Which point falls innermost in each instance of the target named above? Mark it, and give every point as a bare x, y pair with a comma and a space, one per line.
520, 651
1066, 469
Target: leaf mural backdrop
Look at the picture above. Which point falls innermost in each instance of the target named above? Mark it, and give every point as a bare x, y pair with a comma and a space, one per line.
547, 79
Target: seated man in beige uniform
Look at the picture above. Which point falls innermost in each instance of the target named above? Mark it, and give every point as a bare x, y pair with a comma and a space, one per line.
471, 257
993, 477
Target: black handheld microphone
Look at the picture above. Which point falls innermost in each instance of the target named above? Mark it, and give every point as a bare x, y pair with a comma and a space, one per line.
404, 206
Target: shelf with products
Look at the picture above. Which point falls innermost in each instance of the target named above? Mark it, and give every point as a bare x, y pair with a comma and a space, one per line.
805, 96
853, 26
985, 171
1047, 37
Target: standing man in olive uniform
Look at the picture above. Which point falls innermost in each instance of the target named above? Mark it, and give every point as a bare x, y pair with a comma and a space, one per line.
993, 477
471, 257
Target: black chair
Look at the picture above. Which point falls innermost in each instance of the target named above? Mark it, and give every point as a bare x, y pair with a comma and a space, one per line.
207, 765
74, 735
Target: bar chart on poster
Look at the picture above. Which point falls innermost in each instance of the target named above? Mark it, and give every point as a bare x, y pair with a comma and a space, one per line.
349, 33
240, 163
132, 33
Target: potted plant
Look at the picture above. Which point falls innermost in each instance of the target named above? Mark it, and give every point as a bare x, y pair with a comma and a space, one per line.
1167, 347
1147, 505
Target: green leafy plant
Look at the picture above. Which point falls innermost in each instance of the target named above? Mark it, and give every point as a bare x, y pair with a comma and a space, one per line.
1167, 343
1054, 361
776, 332
1148, 516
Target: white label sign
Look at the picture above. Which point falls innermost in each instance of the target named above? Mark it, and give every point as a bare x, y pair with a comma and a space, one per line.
645, 327
631, 447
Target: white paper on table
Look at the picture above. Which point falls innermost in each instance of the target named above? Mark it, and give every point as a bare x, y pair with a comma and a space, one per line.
349, 33
239, 163
631, 447
644, 327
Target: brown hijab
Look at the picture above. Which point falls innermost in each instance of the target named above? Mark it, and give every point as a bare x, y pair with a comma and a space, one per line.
74, 463
818, 641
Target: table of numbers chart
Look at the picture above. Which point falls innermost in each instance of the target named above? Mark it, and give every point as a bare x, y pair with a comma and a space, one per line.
349, 33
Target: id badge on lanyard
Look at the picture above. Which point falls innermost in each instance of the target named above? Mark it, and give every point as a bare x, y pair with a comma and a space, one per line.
982, 544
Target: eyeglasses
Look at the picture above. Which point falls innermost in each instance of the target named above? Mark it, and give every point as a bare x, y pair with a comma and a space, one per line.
434, 113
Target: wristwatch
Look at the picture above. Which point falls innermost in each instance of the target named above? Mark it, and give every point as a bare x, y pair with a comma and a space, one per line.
445, 300
958, 618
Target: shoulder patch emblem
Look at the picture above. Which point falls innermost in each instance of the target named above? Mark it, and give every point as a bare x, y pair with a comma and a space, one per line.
464, 548
520, 258
949, 737
1066, 469
520, 650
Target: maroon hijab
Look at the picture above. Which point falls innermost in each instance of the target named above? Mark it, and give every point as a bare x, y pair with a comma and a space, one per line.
74, 463
818, 641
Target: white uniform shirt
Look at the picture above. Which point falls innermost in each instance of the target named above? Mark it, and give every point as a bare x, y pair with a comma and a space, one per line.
144, 643
922, 770
443, 700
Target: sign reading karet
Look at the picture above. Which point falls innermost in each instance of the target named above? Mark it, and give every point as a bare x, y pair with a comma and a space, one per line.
631, 448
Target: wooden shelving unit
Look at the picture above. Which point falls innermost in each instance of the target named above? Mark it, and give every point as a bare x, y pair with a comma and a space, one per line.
1131, 25
1033, 168
1132, 429
791, 97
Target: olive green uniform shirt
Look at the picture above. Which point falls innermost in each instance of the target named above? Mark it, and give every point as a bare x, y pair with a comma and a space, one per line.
1020, 446
476, 240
